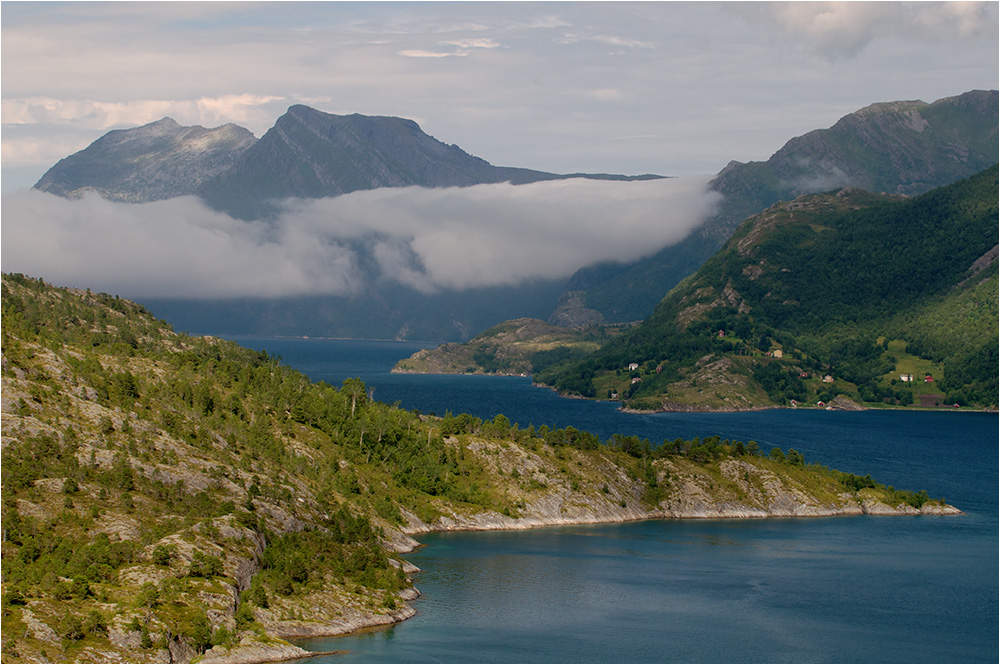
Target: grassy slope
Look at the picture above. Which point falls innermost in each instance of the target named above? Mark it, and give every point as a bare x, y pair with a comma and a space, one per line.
163, 494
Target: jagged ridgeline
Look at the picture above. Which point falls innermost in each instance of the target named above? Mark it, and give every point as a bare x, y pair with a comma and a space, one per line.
167, 497
880, 298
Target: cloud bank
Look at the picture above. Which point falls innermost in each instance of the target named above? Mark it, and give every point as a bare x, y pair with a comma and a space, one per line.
427, 239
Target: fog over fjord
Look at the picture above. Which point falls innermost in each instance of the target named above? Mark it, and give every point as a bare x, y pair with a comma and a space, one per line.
427, 239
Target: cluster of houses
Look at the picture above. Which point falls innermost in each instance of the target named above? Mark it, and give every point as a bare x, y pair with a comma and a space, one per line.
634, 366
908, 378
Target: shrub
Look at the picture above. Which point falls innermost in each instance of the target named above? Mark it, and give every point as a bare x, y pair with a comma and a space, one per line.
244, 617
162, 554
149, 595
205, 565
71, 628
95, 623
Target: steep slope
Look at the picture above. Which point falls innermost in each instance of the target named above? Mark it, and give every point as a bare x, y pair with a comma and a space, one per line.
824, 282
904, 147
156, 161
168, 498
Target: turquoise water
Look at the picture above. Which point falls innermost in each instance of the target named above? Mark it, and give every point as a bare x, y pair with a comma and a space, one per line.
864, 589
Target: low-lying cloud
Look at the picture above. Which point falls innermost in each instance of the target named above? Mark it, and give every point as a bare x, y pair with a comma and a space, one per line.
427, 239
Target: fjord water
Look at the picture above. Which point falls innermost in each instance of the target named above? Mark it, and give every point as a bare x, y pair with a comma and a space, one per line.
857, 589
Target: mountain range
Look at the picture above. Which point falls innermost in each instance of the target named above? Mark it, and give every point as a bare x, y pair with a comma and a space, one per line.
899, 147
307, 154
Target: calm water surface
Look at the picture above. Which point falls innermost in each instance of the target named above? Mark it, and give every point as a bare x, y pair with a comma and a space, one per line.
864, 589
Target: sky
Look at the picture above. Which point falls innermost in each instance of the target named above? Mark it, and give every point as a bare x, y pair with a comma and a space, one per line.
671, 88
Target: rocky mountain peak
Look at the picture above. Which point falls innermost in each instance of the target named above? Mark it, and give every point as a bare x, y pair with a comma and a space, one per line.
166, 123
159, 160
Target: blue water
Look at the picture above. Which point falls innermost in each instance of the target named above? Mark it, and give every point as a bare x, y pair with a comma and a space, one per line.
864, 589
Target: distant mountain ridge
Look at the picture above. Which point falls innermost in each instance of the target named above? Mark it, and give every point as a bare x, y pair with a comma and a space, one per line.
306, 154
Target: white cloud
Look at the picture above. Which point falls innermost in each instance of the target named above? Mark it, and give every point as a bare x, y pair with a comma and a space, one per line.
420, 53
39, 150
844, 29
163, 249
474, 43
429, 239
99, 115
609, 40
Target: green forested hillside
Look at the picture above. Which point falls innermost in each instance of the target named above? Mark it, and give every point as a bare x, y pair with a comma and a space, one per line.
167, 498
851, 285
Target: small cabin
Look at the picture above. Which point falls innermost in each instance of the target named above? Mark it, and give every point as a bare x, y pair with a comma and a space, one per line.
633, 366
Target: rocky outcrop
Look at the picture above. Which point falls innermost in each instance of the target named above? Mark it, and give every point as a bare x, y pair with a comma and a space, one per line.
254, 652
744, 488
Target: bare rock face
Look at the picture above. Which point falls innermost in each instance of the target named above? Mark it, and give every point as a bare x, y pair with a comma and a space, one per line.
157, 161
